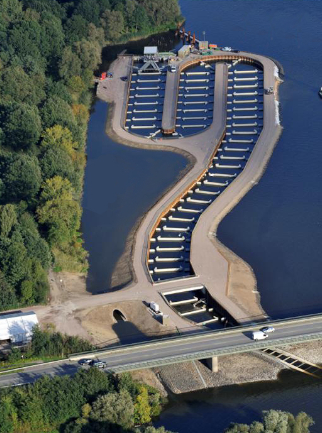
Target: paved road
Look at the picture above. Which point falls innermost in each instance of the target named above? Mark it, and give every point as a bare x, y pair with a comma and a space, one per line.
179, 349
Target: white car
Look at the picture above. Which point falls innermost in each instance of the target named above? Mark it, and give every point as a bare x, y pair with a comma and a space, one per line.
226, 49
268, 329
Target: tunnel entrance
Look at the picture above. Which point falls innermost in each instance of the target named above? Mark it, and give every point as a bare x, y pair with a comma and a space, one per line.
119, 316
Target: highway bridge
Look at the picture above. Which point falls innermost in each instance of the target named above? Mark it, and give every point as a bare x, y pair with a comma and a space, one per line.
202, 345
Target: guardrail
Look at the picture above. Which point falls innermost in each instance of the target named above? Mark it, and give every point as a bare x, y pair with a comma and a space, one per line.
249, 347
199, 334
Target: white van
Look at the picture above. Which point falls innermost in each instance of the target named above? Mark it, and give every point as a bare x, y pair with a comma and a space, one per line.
259, 335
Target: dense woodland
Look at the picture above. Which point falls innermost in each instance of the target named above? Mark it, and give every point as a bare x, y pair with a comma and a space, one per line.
48, 52
89, 402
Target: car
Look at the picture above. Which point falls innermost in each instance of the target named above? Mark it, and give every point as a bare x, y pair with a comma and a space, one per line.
109, 75
235, 51
98, 364
267, 329
85, 361
172, 68
124, 78
226, 49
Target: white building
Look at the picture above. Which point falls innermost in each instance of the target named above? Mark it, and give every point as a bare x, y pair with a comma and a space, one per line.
17, 327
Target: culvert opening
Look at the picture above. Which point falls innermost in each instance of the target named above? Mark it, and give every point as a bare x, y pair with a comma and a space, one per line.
119, 316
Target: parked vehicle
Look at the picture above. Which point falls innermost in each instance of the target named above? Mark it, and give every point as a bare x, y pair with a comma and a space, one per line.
124, 78
267, 329
259, 335
85, 361
154, 307
226, 49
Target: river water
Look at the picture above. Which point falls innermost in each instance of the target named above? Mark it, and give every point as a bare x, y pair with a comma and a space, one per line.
277, 227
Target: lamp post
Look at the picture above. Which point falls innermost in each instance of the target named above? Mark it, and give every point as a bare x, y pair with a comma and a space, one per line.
204, 35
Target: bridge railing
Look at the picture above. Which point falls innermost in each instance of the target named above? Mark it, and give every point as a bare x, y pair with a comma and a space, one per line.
116, 344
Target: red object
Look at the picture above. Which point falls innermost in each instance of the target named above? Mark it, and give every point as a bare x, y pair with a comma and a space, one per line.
103, 76
212, 46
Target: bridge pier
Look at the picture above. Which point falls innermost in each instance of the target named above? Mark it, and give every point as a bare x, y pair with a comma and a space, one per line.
212, 364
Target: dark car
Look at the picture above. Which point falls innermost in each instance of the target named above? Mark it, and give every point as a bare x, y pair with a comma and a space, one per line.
85, 361
235, 51
124, 78
98, 364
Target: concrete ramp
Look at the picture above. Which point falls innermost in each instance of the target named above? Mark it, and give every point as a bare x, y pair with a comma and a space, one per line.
170, 102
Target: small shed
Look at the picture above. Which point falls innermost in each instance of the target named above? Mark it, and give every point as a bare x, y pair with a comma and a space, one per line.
17, 327
150, 51
184, 51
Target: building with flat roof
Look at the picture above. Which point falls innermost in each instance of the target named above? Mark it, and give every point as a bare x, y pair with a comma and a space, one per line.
150, 51
17, 327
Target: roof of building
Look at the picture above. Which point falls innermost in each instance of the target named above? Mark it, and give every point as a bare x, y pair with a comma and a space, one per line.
150, 50
16, 324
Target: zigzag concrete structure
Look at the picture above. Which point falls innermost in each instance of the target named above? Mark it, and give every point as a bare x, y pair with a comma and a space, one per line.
211, 268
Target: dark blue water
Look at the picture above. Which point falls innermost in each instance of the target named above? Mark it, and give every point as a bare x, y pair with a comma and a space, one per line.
277, 227
121, 184
211, 411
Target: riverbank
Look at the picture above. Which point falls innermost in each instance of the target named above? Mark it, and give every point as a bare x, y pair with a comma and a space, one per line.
239, 369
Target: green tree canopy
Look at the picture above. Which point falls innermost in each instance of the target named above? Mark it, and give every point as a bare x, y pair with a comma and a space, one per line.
114, 407
275, 421
21, 177
20, 124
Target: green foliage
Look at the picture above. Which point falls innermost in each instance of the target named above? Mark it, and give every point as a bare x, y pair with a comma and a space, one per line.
117, 408
21, 177
48, 52
275, 421
88, 402
49, 343
21, 125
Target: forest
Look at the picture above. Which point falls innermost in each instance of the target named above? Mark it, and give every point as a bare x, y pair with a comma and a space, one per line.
89, 402
49, 50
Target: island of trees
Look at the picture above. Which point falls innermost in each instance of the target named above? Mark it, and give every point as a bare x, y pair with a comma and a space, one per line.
48, 52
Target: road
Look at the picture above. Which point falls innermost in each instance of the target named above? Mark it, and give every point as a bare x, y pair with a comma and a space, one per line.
179, 349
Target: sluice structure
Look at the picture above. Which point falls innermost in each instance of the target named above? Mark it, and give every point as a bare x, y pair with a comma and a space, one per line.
175, 228
213, 106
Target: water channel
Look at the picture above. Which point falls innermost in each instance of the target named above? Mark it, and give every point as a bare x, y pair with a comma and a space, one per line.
277, 227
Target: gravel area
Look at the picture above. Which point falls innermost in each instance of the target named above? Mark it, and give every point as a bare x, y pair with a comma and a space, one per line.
233, 370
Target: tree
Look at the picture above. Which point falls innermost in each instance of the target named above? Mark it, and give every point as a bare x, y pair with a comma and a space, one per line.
8, 415
58, 211
21, 177
8, 298
69, 64
59, 136
142, 409
113, 24
56, 162
8, 219
18, 86
21, 125
89, 53
114, 407
275, 421
56, 111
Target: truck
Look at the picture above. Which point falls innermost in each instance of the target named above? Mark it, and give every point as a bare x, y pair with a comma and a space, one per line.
259, 335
